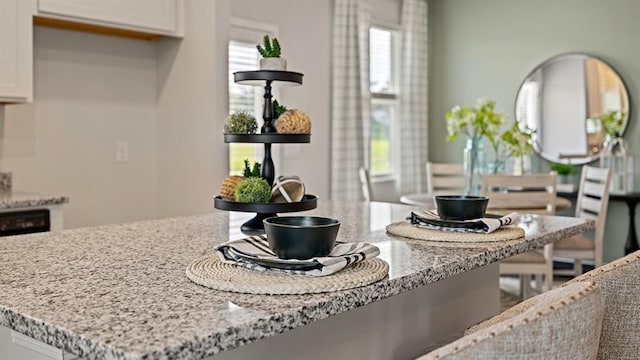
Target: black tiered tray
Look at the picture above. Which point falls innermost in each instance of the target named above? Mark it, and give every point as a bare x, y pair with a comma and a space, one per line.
264, 210
258, 77
268, 135
267, 138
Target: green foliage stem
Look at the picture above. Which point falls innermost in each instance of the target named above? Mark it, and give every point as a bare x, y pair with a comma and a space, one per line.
278, 109
563, 169
248, 171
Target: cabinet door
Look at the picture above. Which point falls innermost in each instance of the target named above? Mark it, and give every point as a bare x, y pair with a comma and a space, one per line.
16, 51
154, 16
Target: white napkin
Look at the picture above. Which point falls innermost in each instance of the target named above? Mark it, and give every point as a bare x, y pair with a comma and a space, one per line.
245, 252
431, 220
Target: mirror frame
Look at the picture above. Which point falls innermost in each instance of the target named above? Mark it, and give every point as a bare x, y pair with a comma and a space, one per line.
578, 160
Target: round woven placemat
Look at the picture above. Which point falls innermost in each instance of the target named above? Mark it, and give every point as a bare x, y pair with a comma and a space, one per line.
405, 229
211, 272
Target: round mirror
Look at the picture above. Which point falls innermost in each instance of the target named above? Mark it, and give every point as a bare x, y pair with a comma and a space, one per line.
570, 101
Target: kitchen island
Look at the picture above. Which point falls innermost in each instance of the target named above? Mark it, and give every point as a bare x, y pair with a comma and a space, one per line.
120, 291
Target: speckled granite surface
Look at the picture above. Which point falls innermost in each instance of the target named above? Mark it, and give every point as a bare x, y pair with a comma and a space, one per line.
18, 199
121, 292
5, 181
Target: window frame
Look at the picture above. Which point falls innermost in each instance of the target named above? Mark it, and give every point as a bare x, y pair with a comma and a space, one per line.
251, 32
391, 96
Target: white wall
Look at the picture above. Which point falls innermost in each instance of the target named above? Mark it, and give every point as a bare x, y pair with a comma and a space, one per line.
192, 106
91, 91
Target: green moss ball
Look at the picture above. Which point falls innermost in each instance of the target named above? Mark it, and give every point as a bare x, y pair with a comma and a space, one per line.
253, 190
241, 123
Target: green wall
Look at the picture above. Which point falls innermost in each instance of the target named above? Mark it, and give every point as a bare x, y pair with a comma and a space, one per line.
484, 48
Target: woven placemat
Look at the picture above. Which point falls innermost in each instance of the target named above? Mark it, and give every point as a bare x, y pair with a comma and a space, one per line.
211, 272
405, 229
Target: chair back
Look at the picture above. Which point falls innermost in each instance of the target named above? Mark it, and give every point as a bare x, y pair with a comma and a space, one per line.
531, 192
620, 284
563, 323
593, 202
365, 183
445, 178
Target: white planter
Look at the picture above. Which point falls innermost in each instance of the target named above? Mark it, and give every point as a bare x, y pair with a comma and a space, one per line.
273, 64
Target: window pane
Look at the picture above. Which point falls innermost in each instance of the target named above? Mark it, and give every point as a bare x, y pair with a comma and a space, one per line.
381, 60
242, 57
382, 114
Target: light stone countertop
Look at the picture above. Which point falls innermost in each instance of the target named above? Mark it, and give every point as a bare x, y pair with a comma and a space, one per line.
120, 291
18, 199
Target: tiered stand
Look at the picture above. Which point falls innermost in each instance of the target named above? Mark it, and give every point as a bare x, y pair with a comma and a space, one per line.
268, 135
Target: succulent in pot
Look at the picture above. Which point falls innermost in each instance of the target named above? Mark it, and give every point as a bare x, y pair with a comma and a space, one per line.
241, 122
271, 51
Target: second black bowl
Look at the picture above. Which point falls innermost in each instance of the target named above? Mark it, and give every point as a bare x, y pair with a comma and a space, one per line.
301, 237
461, 207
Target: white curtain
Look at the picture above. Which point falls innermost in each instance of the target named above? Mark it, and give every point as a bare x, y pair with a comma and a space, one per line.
413, 98
350, 114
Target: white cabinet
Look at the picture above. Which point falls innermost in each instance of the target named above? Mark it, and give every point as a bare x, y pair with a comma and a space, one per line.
16, 346
16, 51
162, 17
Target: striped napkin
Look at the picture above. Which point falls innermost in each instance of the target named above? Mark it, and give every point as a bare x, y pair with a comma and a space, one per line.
431, 220
254, 253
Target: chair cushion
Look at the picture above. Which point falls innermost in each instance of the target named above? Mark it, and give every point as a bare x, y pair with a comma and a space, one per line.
563, 323
577, 242
620, 284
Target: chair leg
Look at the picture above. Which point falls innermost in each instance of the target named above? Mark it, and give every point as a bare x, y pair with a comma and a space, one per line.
577, 267
525, 286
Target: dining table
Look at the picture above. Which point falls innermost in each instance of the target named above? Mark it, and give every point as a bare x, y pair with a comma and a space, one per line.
425, 200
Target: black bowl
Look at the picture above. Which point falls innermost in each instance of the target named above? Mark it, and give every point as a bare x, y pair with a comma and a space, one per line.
461, 207
301, 237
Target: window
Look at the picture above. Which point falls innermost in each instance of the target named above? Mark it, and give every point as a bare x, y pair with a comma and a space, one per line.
242, 57
383, 75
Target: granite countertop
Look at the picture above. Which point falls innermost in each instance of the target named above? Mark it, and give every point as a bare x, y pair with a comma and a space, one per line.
18, 199
120, 291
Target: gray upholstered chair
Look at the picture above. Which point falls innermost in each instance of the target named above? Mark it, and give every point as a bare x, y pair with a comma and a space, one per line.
620, 284
563, 323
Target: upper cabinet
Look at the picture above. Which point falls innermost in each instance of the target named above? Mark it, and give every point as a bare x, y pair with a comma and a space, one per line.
153, 17
144, 19
16, 51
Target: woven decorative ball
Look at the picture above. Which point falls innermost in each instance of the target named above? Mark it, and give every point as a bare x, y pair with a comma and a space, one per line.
228, 189
294, 121
287, 189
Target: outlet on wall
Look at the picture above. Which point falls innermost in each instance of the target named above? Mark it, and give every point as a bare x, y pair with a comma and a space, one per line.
122, 151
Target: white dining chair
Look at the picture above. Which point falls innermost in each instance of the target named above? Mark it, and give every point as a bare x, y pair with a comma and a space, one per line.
445, 178
365, 183
592, 203
530, 193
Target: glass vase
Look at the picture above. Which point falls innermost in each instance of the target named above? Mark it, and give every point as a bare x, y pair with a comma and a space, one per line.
474, 160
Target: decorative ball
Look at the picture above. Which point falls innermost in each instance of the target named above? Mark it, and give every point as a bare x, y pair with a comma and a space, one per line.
228, 189
287, 189
294, 121
253, 190
241, 123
